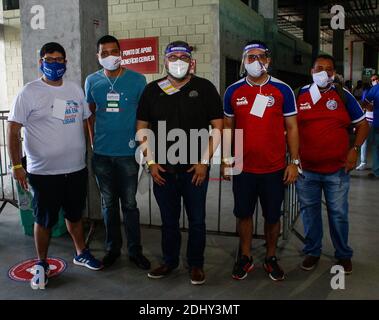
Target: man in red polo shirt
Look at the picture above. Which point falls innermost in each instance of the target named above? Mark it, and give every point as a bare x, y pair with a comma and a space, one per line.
325, 113
264, 108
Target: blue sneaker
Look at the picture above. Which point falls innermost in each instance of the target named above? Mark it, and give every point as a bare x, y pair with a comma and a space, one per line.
86, 259
35, 282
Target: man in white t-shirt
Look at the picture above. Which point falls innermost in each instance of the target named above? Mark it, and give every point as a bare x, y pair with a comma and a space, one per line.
52, 112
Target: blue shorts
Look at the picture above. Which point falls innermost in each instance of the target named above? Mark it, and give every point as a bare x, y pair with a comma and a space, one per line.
53, 192
268, 187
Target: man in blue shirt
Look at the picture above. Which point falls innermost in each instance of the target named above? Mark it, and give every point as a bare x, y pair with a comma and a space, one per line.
113, 94
372, 104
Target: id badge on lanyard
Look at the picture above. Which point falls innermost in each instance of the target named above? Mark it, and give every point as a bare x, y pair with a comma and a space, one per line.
113, 102
259, 106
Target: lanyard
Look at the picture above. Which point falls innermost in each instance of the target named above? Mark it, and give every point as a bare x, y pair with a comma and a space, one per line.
110, 82
251, 83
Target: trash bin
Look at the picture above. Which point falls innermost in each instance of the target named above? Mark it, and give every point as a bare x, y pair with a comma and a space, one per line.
25, 204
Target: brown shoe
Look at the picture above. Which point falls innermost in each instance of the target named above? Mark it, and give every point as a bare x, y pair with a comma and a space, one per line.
160, 272
197, 276
309, 263
346, 265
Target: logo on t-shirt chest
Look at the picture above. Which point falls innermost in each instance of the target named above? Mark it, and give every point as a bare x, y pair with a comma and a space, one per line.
305, 106
271, 100
242, 101
332, 104
72, 111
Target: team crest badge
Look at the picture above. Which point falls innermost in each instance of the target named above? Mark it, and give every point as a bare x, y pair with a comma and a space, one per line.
332, 105
271, 101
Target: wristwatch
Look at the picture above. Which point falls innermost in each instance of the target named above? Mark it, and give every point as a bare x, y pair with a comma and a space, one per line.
295, 162
205, 162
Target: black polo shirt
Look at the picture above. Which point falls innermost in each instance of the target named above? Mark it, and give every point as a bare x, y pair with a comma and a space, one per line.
197, 103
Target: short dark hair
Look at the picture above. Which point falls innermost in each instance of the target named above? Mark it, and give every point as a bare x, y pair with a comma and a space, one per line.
107, 39
50, 48
375, 75
260, 42
324, 56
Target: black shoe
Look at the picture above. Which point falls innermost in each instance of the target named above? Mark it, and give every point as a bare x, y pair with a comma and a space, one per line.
273, 269
110, 258
141, 261
242, 267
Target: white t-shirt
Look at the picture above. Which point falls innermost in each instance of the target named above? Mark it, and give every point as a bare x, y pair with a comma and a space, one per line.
54, 142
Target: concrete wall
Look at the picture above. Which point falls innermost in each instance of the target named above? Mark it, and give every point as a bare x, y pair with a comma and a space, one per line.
3, 76
12, 57
62, 25
194, 21
71, 23
287, 47
91, 11
238, 24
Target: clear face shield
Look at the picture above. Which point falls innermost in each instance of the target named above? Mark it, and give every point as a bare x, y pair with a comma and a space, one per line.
248, 58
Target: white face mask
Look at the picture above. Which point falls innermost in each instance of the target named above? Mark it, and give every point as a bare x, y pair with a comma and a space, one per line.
255, 69
110, 63
374, 83
178, 69
321, 79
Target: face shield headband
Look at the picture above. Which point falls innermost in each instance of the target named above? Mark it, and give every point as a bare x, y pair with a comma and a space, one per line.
184, 50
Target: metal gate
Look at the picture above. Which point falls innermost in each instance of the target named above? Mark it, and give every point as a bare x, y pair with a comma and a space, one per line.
220, 218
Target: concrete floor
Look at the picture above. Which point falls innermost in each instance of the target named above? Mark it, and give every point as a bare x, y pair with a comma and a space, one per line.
124, 281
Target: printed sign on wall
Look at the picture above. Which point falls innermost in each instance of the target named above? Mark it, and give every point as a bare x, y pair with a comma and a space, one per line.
140, 54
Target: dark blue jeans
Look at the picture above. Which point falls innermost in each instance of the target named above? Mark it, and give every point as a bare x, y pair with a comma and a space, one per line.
118, 178
336, 190
169, 197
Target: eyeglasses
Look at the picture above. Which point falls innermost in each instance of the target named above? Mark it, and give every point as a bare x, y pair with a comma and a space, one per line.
174, 58
113, 52
52, 60
328, 69
254, 57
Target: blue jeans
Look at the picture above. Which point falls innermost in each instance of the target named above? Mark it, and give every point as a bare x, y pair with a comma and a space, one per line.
375, 152
336, 189
118, 178
168, 197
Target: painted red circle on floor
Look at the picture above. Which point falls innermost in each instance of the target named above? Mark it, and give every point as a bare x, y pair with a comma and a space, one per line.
23, 270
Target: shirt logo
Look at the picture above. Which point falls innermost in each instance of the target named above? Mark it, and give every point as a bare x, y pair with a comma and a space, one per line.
242, 101
271, 101
305, 106
72, 111
193, 94
332, 105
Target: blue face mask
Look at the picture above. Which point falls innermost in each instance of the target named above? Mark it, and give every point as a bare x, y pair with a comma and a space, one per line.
53, 71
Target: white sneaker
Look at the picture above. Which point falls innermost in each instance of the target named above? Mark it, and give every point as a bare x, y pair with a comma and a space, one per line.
362, 166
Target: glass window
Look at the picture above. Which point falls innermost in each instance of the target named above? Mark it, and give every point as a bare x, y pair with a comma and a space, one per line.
11, 4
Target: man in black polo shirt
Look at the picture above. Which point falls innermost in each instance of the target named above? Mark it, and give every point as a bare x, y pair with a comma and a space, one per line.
186, 102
